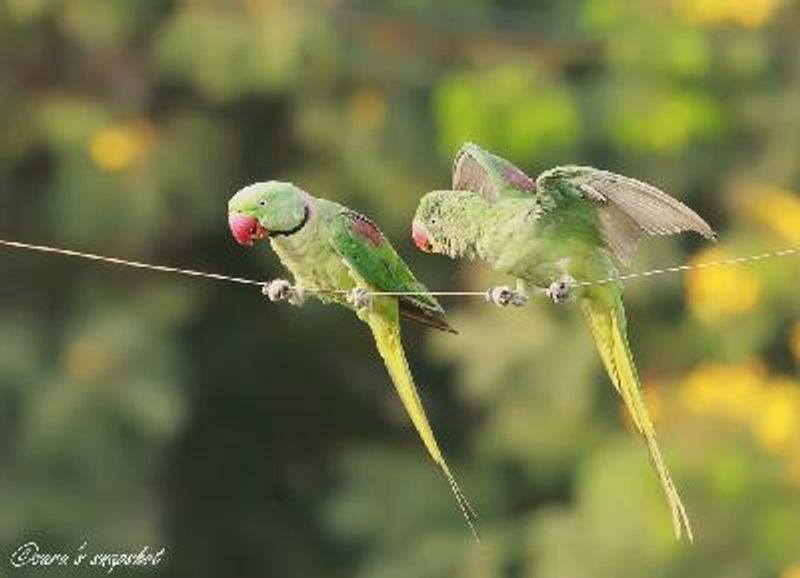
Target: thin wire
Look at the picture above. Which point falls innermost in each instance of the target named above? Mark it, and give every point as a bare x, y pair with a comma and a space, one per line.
137, 264
244, 281
432, 293
626, 277
703, 265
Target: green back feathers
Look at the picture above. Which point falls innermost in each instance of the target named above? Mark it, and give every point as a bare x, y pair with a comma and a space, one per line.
369, 254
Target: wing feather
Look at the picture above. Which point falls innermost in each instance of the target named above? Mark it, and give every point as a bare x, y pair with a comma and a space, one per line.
492, 177
366, 251
627, 207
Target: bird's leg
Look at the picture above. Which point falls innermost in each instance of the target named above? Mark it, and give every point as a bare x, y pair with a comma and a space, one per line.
504, 296
561, 289
359, 298
282, 290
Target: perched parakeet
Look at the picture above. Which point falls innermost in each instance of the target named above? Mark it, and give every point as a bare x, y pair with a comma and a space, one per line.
339, 256
570, 226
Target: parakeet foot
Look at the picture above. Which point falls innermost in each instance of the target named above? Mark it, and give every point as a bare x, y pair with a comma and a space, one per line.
505, 296
282, 290
561, 289
359, 298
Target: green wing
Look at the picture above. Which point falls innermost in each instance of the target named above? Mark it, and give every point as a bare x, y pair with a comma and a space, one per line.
623, 208
489, 175
367, 251
626, 208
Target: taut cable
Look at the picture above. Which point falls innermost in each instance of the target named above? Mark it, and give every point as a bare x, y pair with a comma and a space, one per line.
243, 281
137, 264
702, 265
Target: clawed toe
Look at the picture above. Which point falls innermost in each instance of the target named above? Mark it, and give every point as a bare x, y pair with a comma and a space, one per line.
359, 298
561, 289
277, 290
505, 296
282, 290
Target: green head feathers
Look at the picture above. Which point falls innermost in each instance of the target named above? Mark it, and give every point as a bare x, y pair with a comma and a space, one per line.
268, 209
451, 222
448, 221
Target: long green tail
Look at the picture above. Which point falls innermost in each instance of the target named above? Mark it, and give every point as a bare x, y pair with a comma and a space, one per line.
386, 330
606, 316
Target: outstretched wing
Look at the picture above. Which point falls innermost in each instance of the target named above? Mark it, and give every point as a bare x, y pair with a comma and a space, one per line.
365, 249
493, 177
627, 208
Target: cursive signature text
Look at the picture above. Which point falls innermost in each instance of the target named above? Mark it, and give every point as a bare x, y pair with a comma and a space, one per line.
30, 554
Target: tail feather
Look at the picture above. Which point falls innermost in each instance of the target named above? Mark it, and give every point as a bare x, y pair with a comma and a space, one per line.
386, 332
607, 322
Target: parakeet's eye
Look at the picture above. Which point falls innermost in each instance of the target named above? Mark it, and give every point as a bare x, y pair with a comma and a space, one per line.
433, 220
262, 203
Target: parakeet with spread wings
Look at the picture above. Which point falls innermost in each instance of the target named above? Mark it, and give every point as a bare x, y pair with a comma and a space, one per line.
571, 225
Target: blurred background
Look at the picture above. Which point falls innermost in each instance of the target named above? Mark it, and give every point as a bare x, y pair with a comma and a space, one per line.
253, 439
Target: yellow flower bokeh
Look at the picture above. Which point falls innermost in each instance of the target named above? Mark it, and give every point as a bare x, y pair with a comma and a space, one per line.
744, 392
747, 13
777, 416
777, 209
714, 293
792, 571
116, 148
731, 390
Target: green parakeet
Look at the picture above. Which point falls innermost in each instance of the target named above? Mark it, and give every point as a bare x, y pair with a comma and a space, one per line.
571, 225
339, 256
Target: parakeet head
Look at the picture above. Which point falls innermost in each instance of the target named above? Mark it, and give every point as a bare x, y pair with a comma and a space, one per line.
442, 222
267, 209
427, 222
449, 221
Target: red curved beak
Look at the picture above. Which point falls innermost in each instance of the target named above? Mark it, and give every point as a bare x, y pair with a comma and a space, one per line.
245, 229
421, 239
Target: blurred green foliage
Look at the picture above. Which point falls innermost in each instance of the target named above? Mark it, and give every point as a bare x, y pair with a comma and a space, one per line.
252, 439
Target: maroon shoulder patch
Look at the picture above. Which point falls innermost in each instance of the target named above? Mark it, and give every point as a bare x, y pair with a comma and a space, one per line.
367, 229
519, 179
